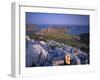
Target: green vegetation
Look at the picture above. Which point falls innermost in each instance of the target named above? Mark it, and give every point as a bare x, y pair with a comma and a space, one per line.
67, 39
63, 38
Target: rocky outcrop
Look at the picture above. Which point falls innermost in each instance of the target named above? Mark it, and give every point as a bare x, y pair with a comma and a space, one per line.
51, 53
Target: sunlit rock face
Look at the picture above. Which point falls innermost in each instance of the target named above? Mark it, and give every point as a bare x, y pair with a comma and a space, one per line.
51, 29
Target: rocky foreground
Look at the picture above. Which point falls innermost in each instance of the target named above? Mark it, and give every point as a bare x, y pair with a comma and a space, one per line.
52, 53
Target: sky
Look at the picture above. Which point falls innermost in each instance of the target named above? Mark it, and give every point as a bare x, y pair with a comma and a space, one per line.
59, 19
78, 23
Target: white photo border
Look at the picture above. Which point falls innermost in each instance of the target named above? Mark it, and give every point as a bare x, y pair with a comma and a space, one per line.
20, 68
